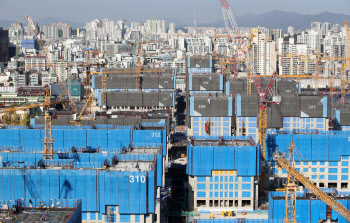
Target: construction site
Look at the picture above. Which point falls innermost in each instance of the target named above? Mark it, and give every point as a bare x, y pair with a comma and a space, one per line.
221, 143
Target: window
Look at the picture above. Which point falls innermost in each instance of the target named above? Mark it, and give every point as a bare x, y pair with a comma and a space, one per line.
305, 170
246, 179
221, 186
332, 163
322, 170
201, 194
344, 170
231, 178
246, 187
200, 186
332, 185
345, 163
332, 170
332, 177
246, 193
211, 186
230, 194
216, 186
216, 178
231, 187
245, 203
230, 203
201, 179
201, 203
236, 186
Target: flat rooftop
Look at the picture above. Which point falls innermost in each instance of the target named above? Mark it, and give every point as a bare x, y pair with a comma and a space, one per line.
132, 166
36, 215
223, 143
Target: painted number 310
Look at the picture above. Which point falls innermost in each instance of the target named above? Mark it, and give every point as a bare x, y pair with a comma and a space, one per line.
137, 179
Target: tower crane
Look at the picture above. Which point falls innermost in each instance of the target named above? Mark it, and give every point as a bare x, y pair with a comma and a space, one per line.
48, 140
347, 50
290, 197
139, 64
25, 107
232, 29
41, 43
17, 43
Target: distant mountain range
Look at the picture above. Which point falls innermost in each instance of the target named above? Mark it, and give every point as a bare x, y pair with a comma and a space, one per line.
44, 21
281, 19
274, 19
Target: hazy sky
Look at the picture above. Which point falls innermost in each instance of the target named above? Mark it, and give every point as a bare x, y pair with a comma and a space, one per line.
207, 11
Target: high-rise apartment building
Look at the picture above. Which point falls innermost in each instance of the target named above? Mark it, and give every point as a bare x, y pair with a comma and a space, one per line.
264, 53
199, 46
275, 34
4, 45
171, 28
56, 31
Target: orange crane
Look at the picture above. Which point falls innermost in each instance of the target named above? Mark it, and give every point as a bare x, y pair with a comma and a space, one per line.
290, 197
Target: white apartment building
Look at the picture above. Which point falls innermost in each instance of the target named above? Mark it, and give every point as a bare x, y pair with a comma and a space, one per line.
35, 63
264, 54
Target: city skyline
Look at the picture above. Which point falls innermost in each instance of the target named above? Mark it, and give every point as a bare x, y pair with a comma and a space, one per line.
207, 12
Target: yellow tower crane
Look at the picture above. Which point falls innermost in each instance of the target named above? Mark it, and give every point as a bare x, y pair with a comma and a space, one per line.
48, 140
48, 59
290, 197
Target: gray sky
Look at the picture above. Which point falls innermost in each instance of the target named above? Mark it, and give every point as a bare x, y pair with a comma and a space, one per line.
207, 11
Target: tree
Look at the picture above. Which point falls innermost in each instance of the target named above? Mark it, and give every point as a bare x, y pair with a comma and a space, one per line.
6, 119
25, 119
15, 119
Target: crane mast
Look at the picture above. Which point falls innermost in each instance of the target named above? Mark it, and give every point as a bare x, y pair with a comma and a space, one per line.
293, 173
346, 63
41, 43
232, 29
